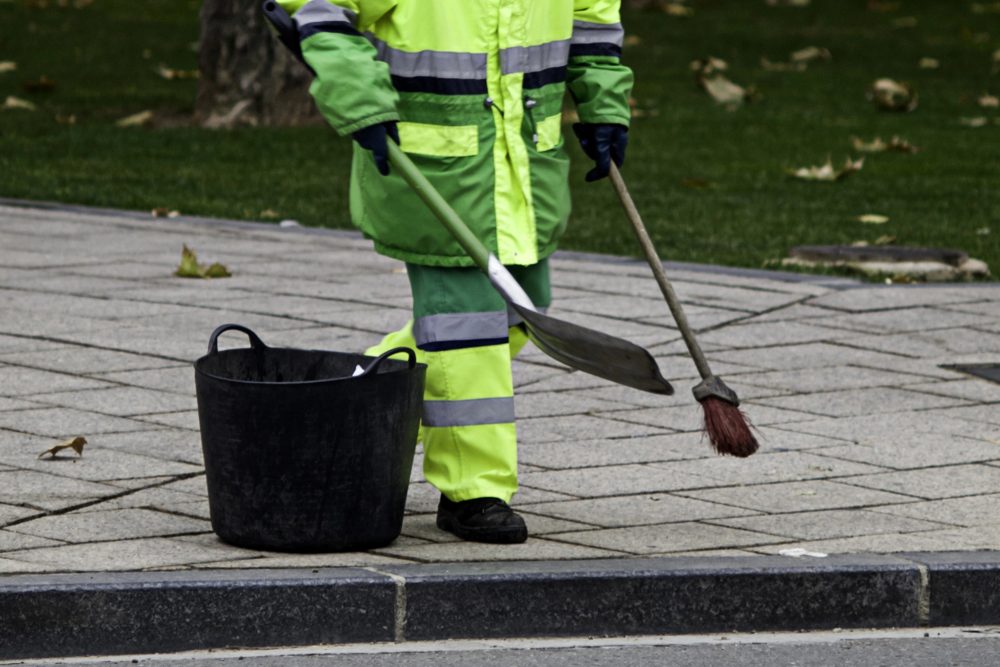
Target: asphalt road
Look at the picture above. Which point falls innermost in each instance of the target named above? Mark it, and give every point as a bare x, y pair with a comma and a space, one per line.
940, 647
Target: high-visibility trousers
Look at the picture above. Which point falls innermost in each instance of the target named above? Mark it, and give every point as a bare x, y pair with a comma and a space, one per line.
465, 333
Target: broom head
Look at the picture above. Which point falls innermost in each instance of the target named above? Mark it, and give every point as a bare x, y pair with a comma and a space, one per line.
728, 428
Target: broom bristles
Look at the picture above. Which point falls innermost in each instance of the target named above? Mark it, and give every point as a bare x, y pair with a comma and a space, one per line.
728, 428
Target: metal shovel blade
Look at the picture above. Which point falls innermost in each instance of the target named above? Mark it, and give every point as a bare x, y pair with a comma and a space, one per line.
583, 349
594, 352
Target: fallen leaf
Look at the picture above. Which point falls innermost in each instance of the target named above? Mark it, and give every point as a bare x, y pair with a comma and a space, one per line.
708, 73
929, 63
190, 268
978, 121
76, 444
696, 183
985, 7
884, 240
269, 213
826, 172
164, 212
41, 85
17, 103
988, 101
677, 9
873, 219
896, 144
136, 119
171, 74
891, 95
708, 66
905, 22
7, 66
809, 54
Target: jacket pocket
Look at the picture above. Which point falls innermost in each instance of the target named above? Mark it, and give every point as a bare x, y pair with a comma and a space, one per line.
549, 132
439, 140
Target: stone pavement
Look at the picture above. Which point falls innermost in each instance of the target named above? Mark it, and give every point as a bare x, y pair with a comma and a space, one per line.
869, 444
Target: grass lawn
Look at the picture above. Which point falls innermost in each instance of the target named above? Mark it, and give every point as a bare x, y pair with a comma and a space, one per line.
746, 210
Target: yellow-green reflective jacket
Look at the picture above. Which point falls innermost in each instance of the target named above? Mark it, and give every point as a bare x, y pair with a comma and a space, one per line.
477, 87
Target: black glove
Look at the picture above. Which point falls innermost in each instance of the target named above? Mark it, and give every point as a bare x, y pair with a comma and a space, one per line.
373, 138
602, 142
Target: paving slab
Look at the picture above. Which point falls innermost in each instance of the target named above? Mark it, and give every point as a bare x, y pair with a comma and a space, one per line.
861, 401
798, 496
668, 538
62, 423
939, 482
830, 523
635, 510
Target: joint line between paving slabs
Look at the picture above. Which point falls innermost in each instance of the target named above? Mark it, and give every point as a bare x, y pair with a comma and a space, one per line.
115, 496
399, 621
924, 595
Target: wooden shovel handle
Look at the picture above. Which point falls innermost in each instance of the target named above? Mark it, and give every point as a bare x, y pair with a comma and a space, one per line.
661, 276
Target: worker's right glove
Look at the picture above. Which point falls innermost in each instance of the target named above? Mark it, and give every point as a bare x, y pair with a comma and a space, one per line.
602, 142
373, 138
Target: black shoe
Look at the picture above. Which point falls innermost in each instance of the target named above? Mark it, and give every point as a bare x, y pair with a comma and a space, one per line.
482, 520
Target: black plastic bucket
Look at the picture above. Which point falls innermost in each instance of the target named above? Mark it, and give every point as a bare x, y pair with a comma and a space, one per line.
300, 455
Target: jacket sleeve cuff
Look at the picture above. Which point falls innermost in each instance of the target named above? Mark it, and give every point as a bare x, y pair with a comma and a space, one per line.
345, 130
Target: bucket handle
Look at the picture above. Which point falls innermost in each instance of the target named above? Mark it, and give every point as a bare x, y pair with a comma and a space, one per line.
213, 341
373, 366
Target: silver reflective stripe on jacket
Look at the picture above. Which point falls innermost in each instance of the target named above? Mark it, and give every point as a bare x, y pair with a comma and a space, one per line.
321, 11
447, 327
440, 64
585, 32
470, 412
534, 58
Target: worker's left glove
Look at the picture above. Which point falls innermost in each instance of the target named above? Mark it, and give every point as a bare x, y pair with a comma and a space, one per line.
374, 139
602, 142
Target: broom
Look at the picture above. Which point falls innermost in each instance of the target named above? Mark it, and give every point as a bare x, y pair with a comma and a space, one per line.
727, 427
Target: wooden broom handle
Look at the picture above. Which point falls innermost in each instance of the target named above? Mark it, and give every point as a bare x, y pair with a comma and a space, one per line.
661, 276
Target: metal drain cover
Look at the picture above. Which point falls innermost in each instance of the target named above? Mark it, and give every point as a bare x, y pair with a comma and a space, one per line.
989, 372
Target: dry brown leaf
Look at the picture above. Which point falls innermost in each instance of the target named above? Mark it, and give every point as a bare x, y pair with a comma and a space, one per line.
7, 66
678, 9
76, 444
985, 7
708, 66
896, 144
42, 84
164, 212
171, 74
892, 95
827, 172
929, 63
17, 103
988, 101
809, 54
873, 219
136, 120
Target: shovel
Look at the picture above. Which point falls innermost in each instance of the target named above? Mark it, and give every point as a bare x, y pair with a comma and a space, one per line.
584, 349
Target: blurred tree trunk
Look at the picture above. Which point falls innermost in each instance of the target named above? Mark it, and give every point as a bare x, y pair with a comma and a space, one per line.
247, 76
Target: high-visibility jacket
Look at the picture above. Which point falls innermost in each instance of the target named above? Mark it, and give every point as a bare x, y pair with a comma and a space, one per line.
477, 87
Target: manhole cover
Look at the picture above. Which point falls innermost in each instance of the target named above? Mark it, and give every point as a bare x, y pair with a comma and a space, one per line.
989, 372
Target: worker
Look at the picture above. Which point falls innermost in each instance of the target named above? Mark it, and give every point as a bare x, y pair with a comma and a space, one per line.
472, 91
